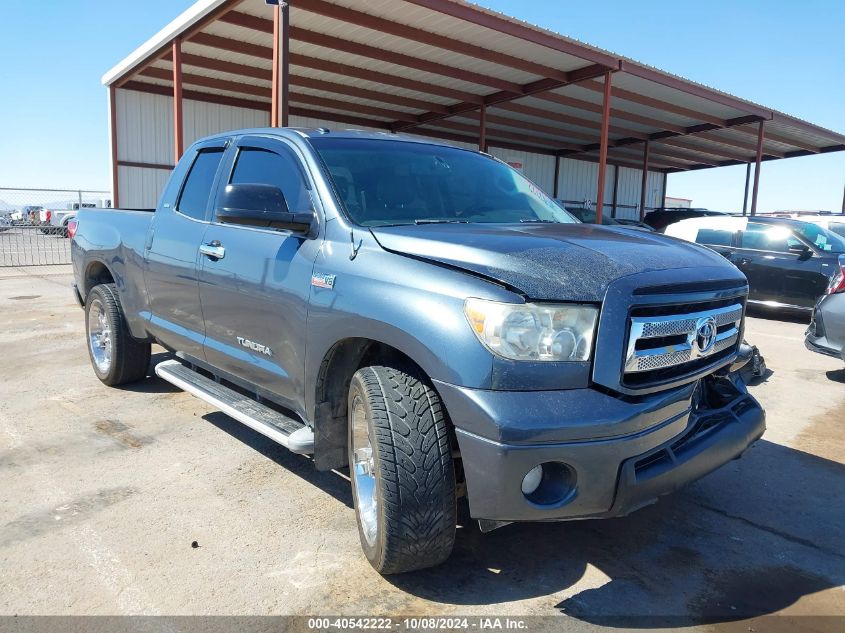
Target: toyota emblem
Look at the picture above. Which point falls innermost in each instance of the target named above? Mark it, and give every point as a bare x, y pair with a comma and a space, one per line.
705, 335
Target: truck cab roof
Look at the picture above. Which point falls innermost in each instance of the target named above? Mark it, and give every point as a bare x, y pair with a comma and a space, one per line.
306, 132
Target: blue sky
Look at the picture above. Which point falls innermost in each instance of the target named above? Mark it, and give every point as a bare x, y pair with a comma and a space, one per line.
783, 54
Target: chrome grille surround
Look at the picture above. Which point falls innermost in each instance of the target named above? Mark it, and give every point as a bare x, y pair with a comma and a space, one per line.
661, 356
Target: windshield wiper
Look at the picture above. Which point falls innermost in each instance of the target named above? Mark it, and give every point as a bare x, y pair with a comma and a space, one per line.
436, 221
533, 221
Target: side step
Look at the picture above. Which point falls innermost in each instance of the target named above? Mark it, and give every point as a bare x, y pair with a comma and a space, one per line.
290, 433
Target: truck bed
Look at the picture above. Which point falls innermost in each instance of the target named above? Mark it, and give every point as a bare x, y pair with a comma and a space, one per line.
114, 238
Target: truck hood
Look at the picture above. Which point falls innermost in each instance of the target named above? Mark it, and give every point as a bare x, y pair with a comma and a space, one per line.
573, 262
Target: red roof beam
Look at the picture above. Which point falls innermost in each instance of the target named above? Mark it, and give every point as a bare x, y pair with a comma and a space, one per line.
397, 29
512, 28
540, 86
372, 52
315, 63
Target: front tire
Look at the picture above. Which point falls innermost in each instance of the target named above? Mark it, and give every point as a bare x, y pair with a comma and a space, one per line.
116, 357
400, 462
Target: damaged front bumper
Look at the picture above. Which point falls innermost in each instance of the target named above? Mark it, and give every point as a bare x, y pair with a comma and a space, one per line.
608, 455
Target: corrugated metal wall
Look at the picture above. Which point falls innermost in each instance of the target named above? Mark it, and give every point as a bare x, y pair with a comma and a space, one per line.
578, 179
145, 135
140, 187
538, 167
202, 119
144, 128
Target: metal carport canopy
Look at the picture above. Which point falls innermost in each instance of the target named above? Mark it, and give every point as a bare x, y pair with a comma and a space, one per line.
456, 71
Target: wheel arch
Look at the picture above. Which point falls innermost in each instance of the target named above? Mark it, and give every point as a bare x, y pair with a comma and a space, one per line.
96, 273
334, 376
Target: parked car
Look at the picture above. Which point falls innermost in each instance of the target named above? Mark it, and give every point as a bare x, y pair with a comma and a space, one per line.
72, 224
634, 224
5, 223
826, 334
32, 215
588, 216
659, 219
55, 221
788, 262
429, 317
63, 228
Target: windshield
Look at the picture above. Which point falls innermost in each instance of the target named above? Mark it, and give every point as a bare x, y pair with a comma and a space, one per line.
823, 239
384, 182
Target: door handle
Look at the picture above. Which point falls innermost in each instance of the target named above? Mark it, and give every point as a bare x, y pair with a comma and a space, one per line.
213, 250
743, 261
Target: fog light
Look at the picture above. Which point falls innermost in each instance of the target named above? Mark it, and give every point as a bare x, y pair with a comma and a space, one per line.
550, 484
532, 480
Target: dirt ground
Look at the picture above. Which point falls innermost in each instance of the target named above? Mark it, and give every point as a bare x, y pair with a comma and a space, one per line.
103, 491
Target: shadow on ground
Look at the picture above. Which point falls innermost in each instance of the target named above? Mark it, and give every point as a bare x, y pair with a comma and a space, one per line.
152, 384
836, 375
335, 484
749, 540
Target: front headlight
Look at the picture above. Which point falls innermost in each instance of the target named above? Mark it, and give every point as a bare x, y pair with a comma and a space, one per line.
534, 331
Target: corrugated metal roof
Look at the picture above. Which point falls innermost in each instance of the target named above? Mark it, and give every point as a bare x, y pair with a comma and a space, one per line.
402, 64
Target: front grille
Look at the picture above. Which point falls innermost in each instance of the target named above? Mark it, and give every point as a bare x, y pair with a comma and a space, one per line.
674, 341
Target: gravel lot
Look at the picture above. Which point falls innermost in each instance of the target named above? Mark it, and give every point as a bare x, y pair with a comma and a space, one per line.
104, 490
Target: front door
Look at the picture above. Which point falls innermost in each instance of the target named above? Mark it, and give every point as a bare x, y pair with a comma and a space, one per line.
172, 250
255, 293
778, 270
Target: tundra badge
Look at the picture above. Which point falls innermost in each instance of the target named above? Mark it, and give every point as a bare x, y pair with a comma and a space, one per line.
258, 347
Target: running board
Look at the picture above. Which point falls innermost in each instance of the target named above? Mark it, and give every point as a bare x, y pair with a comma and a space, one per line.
290, 433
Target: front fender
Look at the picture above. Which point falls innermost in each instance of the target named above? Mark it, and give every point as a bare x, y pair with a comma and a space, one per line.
413, 306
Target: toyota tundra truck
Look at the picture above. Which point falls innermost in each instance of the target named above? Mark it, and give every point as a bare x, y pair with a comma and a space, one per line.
430, 318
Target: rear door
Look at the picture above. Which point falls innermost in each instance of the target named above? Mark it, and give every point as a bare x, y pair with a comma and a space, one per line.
777, 273
172, 250
721, 240
255, 297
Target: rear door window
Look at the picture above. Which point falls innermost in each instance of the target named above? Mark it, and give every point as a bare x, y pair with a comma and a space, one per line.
714, 237
193, 201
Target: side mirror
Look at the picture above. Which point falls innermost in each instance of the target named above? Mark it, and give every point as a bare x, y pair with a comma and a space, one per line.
260, 205
799, 249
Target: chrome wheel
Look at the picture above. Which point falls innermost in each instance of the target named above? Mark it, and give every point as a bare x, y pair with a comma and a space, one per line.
363, 471
99, 336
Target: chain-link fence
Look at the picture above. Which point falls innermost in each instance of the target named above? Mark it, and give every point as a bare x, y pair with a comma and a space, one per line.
33, 223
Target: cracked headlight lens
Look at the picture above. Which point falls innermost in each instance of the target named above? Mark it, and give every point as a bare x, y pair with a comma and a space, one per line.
534, 331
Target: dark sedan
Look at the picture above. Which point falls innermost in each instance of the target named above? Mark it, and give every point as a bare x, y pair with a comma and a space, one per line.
788, 263
588, 216
659, 219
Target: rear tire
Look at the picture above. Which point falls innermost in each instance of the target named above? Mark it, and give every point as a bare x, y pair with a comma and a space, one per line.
403, 478
116, 357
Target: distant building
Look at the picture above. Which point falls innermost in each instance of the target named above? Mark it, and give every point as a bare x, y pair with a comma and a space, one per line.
677, 203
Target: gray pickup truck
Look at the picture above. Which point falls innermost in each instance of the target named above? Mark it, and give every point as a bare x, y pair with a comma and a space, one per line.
430, 318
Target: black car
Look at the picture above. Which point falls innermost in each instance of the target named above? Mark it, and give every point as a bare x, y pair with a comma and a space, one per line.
788, 263
659, 219
588, 216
